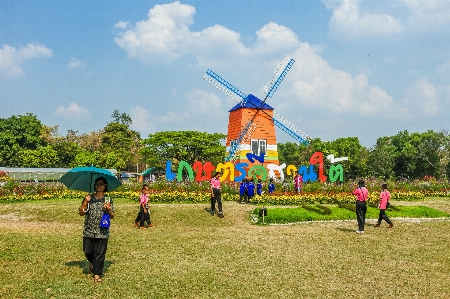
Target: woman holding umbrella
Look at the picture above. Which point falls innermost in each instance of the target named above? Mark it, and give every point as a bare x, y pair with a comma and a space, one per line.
95, 238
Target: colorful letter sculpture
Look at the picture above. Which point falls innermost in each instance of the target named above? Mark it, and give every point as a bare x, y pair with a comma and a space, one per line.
240, 171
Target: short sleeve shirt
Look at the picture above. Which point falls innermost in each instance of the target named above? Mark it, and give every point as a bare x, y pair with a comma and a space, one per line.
215, 183
92, 218
361, 194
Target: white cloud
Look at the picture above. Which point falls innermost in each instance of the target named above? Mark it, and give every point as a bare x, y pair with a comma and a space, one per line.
76, 63
73, 111
162, 34
202, 107
425, 16
121, 25
425, 99
11, 58
166, 34
350, 22
317, 84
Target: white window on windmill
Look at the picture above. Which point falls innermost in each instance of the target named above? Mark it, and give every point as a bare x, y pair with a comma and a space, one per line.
259, 146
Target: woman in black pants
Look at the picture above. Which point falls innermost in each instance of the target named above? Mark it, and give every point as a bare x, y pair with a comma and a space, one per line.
361, 194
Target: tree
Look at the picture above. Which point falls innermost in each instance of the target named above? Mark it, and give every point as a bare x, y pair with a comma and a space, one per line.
289, 153
381, 159
44, 157
88, 142
123, 118
351, 147
121, 141
66, 149
189, 146
18, 133
420, 154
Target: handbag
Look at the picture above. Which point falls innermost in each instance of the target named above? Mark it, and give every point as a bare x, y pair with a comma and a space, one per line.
105, 222
388, 204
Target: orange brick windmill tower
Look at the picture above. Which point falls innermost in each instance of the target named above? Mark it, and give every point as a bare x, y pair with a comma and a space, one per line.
251, 127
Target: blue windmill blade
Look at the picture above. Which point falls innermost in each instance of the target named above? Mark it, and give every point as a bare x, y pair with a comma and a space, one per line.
278, 76
225, 87
290, 129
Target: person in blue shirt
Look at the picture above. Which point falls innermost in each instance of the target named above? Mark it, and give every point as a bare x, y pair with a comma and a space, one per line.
250, 189
271, 186
259, 187
243, 191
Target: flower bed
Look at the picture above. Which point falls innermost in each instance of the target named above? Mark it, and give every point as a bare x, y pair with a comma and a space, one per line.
174, 192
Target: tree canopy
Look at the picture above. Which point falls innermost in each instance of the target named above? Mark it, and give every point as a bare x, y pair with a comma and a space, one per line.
189, 146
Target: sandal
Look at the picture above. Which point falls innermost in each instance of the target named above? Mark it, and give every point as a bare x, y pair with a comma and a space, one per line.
97, 278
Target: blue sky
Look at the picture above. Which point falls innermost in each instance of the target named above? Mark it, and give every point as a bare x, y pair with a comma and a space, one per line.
362, 69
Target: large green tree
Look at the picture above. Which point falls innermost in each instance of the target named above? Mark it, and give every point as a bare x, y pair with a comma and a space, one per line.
381, 159
18, 133
120, 141
189, 146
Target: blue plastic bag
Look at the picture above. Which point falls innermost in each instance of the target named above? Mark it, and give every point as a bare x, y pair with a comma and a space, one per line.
105, 222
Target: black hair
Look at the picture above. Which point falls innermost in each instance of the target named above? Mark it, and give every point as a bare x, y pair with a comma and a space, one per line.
104, 181
216, 174
361, 183
384, 186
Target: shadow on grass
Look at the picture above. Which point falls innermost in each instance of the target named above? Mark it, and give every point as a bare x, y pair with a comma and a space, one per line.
84, 265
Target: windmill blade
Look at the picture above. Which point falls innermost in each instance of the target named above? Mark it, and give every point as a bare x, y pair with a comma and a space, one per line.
290, 129
278, 76
225, 87
244, 137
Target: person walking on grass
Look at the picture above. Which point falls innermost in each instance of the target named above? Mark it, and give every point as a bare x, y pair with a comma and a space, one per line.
361, 194
95, 238
385, 196
144, 211
215, 195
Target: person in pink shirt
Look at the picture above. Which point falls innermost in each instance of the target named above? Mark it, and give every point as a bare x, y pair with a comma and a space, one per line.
215, 194
298, 183
361, 194
385, 196
144, 212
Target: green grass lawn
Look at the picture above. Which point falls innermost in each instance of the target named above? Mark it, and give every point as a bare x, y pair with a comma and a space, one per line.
332, 212
190, 254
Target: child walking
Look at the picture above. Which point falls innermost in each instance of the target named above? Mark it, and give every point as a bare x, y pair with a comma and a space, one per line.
385, 196
250, 189
271, 186
216, 195
243, 191
144, 212
259, 187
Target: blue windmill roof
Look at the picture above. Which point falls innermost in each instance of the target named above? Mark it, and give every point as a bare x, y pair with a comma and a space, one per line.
252, 103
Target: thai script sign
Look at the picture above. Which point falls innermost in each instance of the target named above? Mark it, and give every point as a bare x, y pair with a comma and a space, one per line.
242, 170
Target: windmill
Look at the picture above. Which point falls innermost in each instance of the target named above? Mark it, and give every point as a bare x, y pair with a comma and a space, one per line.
250, 113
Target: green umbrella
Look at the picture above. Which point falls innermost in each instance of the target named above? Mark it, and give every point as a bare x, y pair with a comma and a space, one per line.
83, 178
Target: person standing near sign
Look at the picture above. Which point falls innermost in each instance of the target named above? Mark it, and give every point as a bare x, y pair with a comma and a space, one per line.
215, 194
298, 183
95, 238
361, 194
